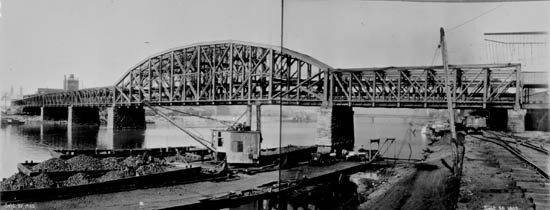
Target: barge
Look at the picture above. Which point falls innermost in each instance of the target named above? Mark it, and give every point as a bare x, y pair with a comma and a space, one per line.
101, 153
173, 176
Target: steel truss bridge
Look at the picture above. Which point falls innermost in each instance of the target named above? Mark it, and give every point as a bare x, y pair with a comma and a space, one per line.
235, 72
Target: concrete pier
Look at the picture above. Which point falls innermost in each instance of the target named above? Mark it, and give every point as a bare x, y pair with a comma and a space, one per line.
335, 129
516, 120
125, 117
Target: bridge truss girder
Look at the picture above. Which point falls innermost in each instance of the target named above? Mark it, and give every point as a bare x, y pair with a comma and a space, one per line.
233, 72
472, 86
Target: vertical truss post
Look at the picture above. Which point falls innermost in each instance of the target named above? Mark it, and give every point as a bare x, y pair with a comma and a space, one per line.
197, 97
271, 67
184, 75
350, 94
140, 88
213, 75
399, 89
518, 88
374, 89
131, 92
485, 84
149, 78
454, 87
298, 82
172, 76
331, 86
230, 71
326, 90
159, 78
250, 75
426, 78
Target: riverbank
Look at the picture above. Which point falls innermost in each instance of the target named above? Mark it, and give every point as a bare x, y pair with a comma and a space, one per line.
424, 185
495, 178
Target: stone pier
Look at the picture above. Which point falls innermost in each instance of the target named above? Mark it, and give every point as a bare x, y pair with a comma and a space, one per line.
335, 130
516, 120
125, 117
511, 120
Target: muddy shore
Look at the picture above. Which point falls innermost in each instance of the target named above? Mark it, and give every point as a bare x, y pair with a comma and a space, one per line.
492, 179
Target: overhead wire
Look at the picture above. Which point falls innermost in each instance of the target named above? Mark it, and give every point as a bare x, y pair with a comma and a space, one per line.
474, 18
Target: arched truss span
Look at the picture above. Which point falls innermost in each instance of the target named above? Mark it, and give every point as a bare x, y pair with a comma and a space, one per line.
226, 72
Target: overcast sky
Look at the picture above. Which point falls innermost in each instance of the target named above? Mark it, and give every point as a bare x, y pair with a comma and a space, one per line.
99, 40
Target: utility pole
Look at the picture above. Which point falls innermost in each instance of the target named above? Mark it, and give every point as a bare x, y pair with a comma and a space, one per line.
447, 84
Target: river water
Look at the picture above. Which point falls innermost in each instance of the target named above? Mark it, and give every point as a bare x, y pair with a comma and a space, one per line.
33, 141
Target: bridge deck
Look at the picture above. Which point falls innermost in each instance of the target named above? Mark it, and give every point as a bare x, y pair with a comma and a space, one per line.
234, 72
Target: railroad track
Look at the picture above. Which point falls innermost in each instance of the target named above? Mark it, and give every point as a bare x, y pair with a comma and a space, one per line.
514, 150
521, 153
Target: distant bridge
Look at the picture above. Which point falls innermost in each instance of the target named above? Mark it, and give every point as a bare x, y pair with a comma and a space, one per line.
236, 72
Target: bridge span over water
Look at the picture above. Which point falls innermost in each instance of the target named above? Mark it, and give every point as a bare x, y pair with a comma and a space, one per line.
243, 73
236, 72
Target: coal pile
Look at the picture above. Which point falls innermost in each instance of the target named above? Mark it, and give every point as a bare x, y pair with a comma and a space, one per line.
77, 179
111, 163
42, 181
53, 164
133, 161
116, 174
151, 168
182, 158
85, 163
17, 181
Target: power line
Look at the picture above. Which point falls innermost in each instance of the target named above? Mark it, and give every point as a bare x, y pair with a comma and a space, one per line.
474, 18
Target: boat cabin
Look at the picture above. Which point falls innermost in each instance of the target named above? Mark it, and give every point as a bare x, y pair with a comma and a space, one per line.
238, 146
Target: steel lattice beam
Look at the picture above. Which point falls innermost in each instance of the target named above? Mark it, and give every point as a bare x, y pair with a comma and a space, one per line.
234, 72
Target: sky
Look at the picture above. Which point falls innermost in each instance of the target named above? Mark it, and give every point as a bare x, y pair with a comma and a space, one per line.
99, 40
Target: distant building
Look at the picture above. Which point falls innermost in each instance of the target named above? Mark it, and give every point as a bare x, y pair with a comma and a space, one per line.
71, 83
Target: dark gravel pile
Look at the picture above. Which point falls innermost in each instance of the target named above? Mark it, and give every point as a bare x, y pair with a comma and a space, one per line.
42, 181
151, 168
18, 181
53, 164
182, 158
116, 174
85, 163
133, 161
111, 163
77, 179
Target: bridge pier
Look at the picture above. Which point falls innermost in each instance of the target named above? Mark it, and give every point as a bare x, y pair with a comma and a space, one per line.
507, 119
516, 120
126, 117
335, 129
83, 116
